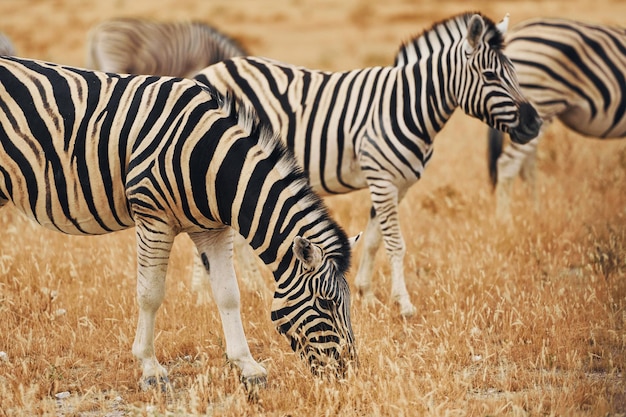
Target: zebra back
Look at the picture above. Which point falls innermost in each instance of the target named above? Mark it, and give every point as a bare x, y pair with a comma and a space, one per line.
137, 46
329, 118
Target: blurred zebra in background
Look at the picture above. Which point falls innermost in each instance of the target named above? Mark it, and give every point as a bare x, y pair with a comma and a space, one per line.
6, 46
177, 49
375, 127
85, 153
572, 71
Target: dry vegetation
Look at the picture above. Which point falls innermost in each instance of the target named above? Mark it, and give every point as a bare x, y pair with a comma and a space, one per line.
520, 320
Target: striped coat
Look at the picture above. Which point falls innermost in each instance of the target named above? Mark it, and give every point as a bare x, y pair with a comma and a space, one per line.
571, 71
86, 153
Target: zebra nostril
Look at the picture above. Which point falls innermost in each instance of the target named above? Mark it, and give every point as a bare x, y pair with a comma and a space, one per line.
528, 114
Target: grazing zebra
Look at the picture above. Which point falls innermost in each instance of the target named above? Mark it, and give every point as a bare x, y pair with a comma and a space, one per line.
375, 127
6, 46
87, 153
572, 71
136, 46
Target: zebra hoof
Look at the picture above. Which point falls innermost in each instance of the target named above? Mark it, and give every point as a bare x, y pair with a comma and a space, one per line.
408, 312
407, 309
368, 299
152, 382
253, 385
254, 382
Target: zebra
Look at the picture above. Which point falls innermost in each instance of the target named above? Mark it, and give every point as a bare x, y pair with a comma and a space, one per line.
139, 46
86, 152
374, 127
6, 46
569, 70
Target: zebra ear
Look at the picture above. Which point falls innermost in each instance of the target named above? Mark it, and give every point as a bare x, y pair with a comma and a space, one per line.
309, 254
503, 25
475, 29
354, 239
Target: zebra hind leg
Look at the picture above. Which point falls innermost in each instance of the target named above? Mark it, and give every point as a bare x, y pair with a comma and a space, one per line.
153, 250
528, 173
216, 251
516, 159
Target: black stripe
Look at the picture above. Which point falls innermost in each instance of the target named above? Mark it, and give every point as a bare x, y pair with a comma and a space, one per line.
341, 139
314, 114
338, 136
229, 175
8, 184
16, 154
40, 132
199, 163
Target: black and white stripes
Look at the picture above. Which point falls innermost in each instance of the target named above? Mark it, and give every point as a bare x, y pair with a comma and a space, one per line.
86, 152
375, 127
572, 71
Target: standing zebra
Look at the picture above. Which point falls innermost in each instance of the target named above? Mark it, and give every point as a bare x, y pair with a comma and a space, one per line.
178, 49
375, 127
87, 153
572, 71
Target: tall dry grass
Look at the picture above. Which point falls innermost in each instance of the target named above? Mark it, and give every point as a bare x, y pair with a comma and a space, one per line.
526, 319
523, 320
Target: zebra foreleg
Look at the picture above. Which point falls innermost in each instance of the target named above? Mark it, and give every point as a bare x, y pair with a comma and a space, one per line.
153, 250
216, 252
200, 280
389, 227
247, 266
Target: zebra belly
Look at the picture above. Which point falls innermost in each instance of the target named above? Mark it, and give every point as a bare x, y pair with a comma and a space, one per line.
602, 126
67, 205
332, 182
81, 220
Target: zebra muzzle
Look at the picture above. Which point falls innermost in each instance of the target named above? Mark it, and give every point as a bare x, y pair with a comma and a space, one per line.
529, 125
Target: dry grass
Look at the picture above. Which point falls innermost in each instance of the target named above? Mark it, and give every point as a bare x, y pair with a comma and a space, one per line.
520, 320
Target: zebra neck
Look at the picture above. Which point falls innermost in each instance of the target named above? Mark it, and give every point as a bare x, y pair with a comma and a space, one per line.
420, 101
275, 249
272, 215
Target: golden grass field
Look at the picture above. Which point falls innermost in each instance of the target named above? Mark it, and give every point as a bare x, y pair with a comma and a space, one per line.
523, 320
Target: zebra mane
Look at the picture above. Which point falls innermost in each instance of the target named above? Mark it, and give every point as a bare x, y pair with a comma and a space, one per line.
225, 41
456, 25
338, 251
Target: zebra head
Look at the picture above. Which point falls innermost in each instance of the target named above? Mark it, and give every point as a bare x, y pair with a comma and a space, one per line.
488, 88
313, 308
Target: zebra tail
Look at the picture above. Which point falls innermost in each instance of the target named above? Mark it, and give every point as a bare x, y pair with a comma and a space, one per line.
494, 150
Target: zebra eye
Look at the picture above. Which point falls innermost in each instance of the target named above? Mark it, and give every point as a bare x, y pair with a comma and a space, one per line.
490, 75
326, 304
